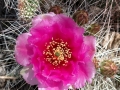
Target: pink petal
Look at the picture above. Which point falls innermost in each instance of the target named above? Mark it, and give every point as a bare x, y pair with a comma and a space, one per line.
28, 75
21, 53
86, 69
88, 48
90, 71
39, 18
86, 72
90, 42
46, 82
56, 27
49, 88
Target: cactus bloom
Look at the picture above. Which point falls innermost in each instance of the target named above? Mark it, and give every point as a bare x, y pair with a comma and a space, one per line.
55, 53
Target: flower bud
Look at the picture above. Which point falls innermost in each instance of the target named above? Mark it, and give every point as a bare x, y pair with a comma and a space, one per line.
56, 9
81, 17
94, 28
108, 68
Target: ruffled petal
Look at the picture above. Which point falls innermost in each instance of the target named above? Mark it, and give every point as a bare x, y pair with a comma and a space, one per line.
28, 75
45, 82
86, 70
49, 88
21, 53
90, 43
37, 20
86, 73
88, 48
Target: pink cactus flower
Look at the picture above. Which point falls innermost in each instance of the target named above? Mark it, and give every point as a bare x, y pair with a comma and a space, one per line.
55, 54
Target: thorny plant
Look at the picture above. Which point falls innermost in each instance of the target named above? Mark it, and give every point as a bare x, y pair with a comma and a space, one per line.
102, 12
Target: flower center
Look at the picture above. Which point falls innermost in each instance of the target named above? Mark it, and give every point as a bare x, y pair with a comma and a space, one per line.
57, 52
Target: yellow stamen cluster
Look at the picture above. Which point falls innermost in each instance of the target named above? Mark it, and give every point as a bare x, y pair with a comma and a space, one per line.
57, 52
